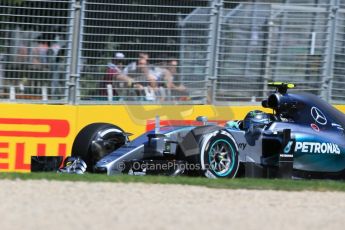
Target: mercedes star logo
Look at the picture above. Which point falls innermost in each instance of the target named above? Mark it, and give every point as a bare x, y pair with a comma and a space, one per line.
318, 116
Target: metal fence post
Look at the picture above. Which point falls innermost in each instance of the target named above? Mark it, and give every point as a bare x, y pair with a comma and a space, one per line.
267, 76
75, 54
330, 50
213, 54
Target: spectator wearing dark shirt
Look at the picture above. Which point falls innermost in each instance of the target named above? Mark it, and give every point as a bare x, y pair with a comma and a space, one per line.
114, 69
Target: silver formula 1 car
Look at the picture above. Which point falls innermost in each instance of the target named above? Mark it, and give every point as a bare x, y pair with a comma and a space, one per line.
303, 137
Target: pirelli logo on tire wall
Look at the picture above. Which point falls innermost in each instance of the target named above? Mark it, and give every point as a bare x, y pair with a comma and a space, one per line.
30, 137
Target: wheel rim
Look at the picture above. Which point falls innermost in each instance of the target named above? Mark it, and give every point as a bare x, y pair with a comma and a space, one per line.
221, 157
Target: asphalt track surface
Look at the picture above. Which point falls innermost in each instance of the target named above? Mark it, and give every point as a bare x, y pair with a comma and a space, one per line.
54, 205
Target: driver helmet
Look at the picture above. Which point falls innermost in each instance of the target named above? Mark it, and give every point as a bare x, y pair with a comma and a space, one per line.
256, 118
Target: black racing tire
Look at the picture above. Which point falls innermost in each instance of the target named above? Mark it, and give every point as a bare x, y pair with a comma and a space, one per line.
97, 140
218, 155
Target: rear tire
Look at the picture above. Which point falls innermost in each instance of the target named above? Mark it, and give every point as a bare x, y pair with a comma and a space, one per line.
97, 140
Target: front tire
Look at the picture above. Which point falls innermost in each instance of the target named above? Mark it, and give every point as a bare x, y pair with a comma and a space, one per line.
97, 140
219, 155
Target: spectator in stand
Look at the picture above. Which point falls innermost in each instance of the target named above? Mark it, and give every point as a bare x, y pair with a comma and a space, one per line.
172, 65
114, 69
142, 76
116, 65
40, 64
164, 73
132, 67
40, 54
119, 81
54, 62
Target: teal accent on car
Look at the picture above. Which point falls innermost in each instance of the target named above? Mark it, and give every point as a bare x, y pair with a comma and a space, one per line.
309, 157
232, 158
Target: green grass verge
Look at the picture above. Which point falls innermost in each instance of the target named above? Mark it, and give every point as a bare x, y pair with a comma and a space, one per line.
242, 183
